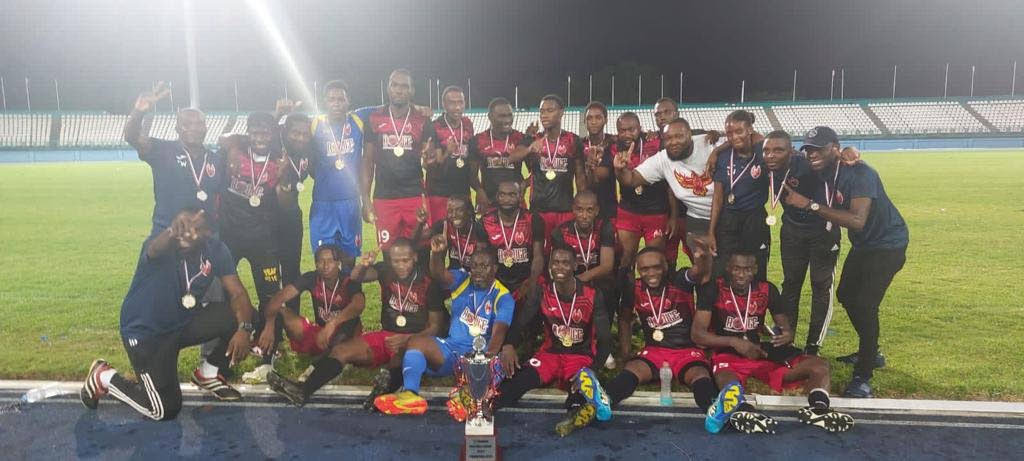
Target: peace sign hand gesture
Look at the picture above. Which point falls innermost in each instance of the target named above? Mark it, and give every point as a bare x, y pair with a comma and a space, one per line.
148, 99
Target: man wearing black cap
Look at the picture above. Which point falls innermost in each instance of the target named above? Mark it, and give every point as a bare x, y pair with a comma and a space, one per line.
855, 199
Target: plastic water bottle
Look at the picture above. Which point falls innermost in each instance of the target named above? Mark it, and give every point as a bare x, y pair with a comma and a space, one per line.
666, 384
41, 393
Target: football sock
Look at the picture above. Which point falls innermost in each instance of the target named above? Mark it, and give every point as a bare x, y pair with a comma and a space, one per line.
574, 399
413, 366
324, 370
512, 389
105, 376
621, 387
746, 406
207, 370
704, 392
818, 398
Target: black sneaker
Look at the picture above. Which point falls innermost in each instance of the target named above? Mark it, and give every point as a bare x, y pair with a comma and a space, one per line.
579, 416
93, 388
852, 359
218, 386
753, 422
286, 388
859, 388
825, 418
380, 387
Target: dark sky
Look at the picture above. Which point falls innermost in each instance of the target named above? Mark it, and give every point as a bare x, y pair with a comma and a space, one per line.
104, 51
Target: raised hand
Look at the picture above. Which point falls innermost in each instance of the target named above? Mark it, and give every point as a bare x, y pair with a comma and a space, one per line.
148, 99
422, 213
285, 106
850, 156
794, 198
532, 129
439, 242
621, 160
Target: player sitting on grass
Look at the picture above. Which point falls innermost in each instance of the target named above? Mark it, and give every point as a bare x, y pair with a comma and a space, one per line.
576, 337
481, 306
338, 302
731, 313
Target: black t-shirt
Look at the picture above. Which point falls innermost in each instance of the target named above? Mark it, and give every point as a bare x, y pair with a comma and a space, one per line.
514, 241
605, 188
750, 175
673, 302
885, 228
397, 176
339, 293
461, 244
805, 181
602, 234
412, 298
558, 157
174, 180
450, 179
493, 155
653, 198
736, 315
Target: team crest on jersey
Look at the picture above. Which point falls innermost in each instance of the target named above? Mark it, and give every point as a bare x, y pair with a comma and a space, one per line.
577, 316
303, 164
793, 182
519, 237
211, 170
698, 184
755, 171
839, 197
205, 268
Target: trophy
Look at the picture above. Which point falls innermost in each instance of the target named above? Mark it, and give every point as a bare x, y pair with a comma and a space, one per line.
476, 381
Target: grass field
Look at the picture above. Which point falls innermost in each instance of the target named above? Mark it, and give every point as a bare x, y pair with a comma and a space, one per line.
952, 322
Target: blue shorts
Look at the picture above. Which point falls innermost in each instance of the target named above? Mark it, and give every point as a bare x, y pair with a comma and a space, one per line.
337, 222
451, 354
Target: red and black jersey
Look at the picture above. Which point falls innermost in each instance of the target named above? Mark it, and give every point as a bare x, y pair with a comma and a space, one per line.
461, 244
564, 317
413, 298
450, 178
731, 315
340, 295
605, 188
653, 198
249, 175
668, 308
493, 155
397, 176
602, 234
514, 241
560, 158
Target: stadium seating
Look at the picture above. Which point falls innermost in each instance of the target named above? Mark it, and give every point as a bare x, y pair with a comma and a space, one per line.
846, 119
713, 118
1006, 116
92, 130
25, 129
924, 118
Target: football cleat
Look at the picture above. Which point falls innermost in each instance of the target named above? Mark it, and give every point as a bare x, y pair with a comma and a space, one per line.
93, 388
459, 404
825, 418
579, 417
380, 387
753, 422
401, 403
728, 400
286, 388
588, 385
218, 386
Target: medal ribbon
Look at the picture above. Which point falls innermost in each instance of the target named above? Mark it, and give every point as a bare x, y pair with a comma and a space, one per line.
737, 306
733, 181
490, 133
501, 225
198, 178
830, 195
561, 310
547, 149
329, 301
403, 299
394, 126
590, 244
458, 242
252, 170
189, 280
476, 307
462, 134
776, 196
661, 304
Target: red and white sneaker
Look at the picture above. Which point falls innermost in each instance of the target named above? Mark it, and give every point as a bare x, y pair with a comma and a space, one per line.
93, 388
218, 386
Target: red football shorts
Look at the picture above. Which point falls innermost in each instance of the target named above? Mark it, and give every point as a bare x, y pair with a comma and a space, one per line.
437, 208
395, 218
553, 219
558, 368
307, 345
679, 360
649, 226
381, 353
766, 371
678, 240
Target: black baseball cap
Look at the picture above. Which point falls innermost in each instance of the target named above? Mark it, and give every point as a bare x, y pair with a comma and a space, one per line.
819, 136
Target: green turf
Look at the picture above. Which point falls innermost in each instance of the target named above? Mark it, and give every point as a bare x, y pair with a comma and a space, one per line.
951, 323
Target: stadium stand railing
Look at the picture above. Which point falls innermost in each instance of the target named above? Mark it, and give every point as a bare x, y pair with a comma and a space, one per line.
867, 119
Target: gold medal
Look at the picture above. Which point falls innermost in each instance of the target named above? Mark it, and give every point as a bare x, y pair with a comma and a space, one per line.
550, 175
658, 335
567, 340
771, 220
188, 301
400, 320
201, 195
339, 164
475, 330
459, 163
639, 190
399, 151
300, 186
254, 201
731, 199
509, 261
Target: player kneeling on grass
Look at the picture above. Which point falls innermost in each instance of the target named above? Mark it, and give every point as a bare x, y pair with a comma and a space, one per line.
338, 302
731, 313
665, 308
166, 310
481, 306
576, 337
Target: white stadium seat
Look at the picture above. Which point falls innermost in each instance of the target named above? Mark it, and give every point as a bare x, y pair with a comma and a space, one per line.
1006, 116
925, 118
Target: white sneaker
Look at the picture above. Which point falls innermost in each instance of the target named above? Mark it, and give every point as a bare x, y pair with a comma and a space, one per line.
257, 376
305, 374
610, 363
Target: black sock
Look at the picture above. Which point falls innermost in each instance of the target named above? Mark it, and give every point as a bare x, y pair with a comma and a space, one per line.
574, 399
746, 406
396, 379
704, 392
324, 370
818, 398
621, 387
513, 389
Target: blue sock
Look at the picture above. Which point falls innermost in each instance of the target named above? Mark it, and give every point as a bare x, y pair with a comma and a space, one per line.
413, 366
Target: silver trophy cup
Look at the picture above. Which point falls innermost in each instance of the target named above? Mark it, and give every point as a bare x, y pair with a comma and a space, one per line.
479, 377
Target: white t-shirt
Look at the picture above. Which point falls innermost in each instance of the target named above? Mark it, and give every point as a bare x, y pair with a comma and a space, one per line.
688, 178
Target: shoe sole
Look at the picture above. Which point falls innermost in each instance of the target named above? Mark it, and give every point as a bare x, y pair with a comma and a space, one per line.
729, 398
84, 392
832, 421
229, 398
592, 391
565, 428
753, 423
277, 384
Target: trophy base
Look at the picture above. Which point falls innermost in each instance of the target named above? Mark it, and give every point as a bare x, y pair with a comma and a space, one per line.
481, 448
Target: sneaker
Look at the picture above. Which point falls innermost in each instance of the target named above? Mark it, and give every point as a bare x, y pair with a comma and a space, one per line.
380, 387
859, 388
825, 418
753, 422
401, 403
286, 388
579, 417
610, 363
305, 374
728, 400
852, 359
588, 385
218, 386
459, 404
93, 388
257, 376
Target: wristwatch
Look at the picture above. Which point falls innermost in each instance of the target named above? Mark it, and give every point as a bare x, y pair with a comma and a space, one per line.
246, 327
814, 206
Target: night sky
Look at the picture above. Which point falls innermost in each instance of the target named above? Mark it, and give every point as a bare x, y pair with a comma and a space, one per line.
104, 53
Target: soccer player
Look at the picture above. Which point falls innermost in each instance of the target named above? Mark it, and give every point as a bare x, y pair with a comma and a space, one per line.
397, 145
481, 307
593, 240
411, 304
555, 161
491, 154
464, 232
518, 236
166, 310
804, 240
185, 173
295, 137
732, 312
665, 309
595, 117
450, 173
576, 337
741, 189
337, 163
855, 199
683, 165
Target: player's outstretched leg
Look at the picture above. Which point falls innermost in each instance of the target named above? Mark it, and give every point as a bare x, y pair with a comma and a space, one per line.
587, 384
